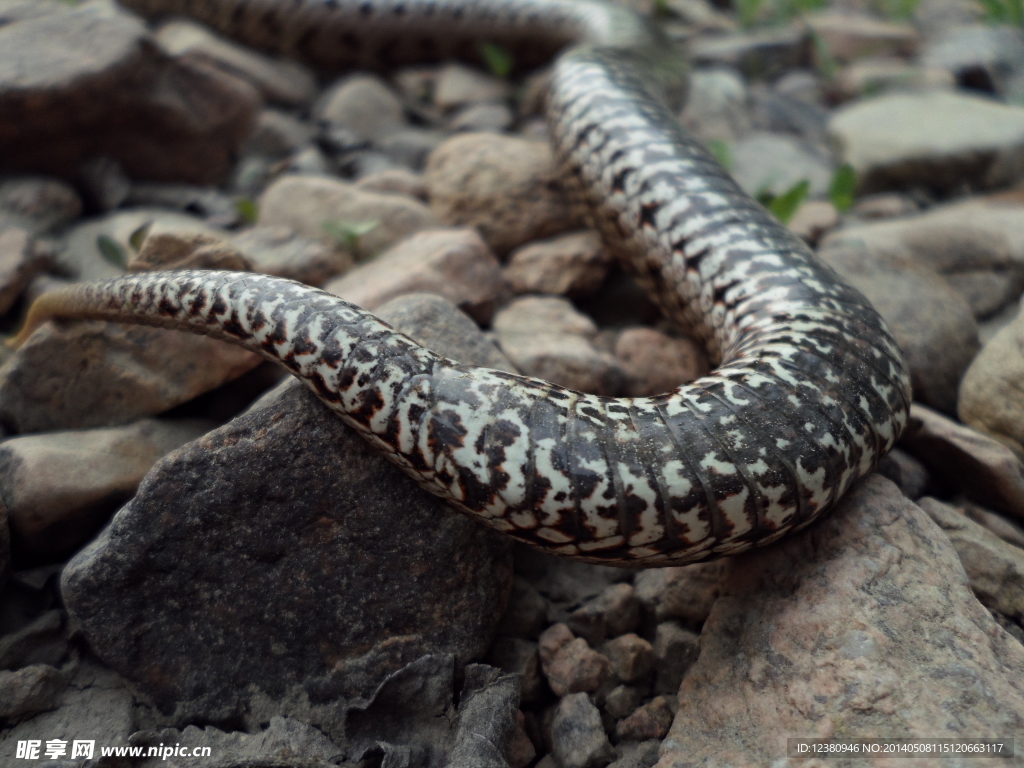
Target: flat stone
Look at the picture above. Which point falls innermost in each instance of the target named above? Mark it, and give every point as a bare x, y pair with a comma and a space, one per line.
994, 568
984, 469
38, 204
345, 568
482, 117
458, 85
568, 265
506, 187
655, 362
762, 54
577, 736
886, 74
171, 119
980, 56
999, 525
307, 204
87, 374
280, 251
363, 104
59, 488
773, 163
933, 139
863, 624
21, 259
847, 36
453, 263
278, 81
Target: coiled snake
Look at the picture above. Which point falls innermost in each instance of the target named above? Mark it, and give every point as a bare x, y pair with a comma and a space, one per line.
810, 389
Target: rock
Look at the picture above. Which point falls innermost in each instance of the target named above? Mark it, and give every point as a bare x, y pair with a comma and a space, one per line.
773, 163
633, 755
217, 208
717, 108
280, 251
813, 219
655, 362
21, 259
482, 117
82, 258
883, 205
547, 338
171, 250
998, 524
364, 105
526, 614
863, 624
568, 265
410, 147
631, 657
985, 470
994, 568
757, 54
651, 721
675, 651
983, 57
684, 592
458, 85
488, 719
622, 701
936, 331
577, 736
909, 474
399, 181
507, 187
871, 77
38, 204
774, 112
33, 626
278, 81
453, 263
95, 706
429, 580
59, 488
30, 690
933, 139
518, 656
277, 134
848, 37
94, 374
309, 204
569, 664
88, 82
521, 751
614, 612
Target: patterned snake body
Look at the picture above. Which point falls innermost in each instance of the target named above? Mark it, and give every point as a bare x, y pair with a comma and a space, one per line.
809, 394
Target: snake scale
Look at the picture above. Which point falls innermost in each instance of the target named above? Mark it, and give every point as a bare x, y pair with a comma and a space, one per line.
810, 390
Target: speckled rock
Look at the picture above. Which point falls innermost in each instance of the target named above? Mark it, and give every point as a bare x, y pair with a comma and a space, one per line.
30, 690
309, 203
569, 664
518, 656
934, 139
984, 469
21, 259
569, 265
863, 624
675, 650
506, 187
577, 736
684, 592
364, 105
280, 251
994, 567
614, 612
278, 81
299, 511
651, 721
88, 82
453, 263
95, 374
59, 488
631, 657
655, 362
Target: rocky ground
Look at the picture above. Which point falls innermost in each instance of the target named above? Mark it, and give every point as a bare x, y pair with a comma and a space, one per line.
270, 589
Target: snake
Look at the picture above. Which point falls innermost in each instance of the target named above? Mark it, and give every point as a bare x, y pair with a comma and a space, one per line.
809, 390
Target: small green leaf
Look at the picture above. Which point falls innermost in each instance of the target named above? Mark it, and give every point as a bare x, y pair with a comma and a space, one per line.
348, 232
247, 209
138, 237
827, 65
722, 152
842, 188
749, 11
784, 206
498, 60
1015, 12
112, 251
661, 8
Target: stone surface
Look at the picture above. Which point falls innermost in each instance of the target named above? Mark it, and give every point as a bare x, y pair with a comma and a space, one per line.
675, 650
651, 721
88, 82
307, 203
569, 265
59, 488
569, 664
86, 374
283, 82
622, 701
173, 250
347, 568
637, 755
684, 592
994, 568
364, 105
999, 525
909, 474
937, 331
717, 108
411, 146
934, 139
507, 187
518, 656
773, 163
847, 36
453, 263
863, 624
761, 54
399, 181
813, 219
30, 690
985, 470
38, 204
985, 57
631, 657
21, 259
614, 612
280, 251
482, 117
277, 134
577, 736
655, 362
526, 613
457, 85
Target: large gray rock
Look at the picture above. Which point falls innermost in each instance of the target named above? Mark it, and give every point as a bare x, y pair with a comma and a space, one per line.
863, 625
278, 565
89, 82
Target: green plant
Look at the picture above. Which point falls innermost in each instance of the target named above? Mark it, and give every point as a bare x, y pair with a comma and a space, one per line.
783, 206
900, 10
138, 236
348, 232
826, 63
247, 209
843, 187
498, 60
1004, 11
112, 251
748, 12
722, 152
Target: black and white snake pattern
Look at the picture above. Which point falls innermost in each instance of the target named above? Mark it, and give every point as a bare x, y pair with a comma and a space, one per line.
810, 391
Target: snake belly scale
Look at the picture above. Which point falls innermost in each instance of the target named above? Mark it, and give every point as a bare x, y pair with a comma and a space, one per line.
809, 394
